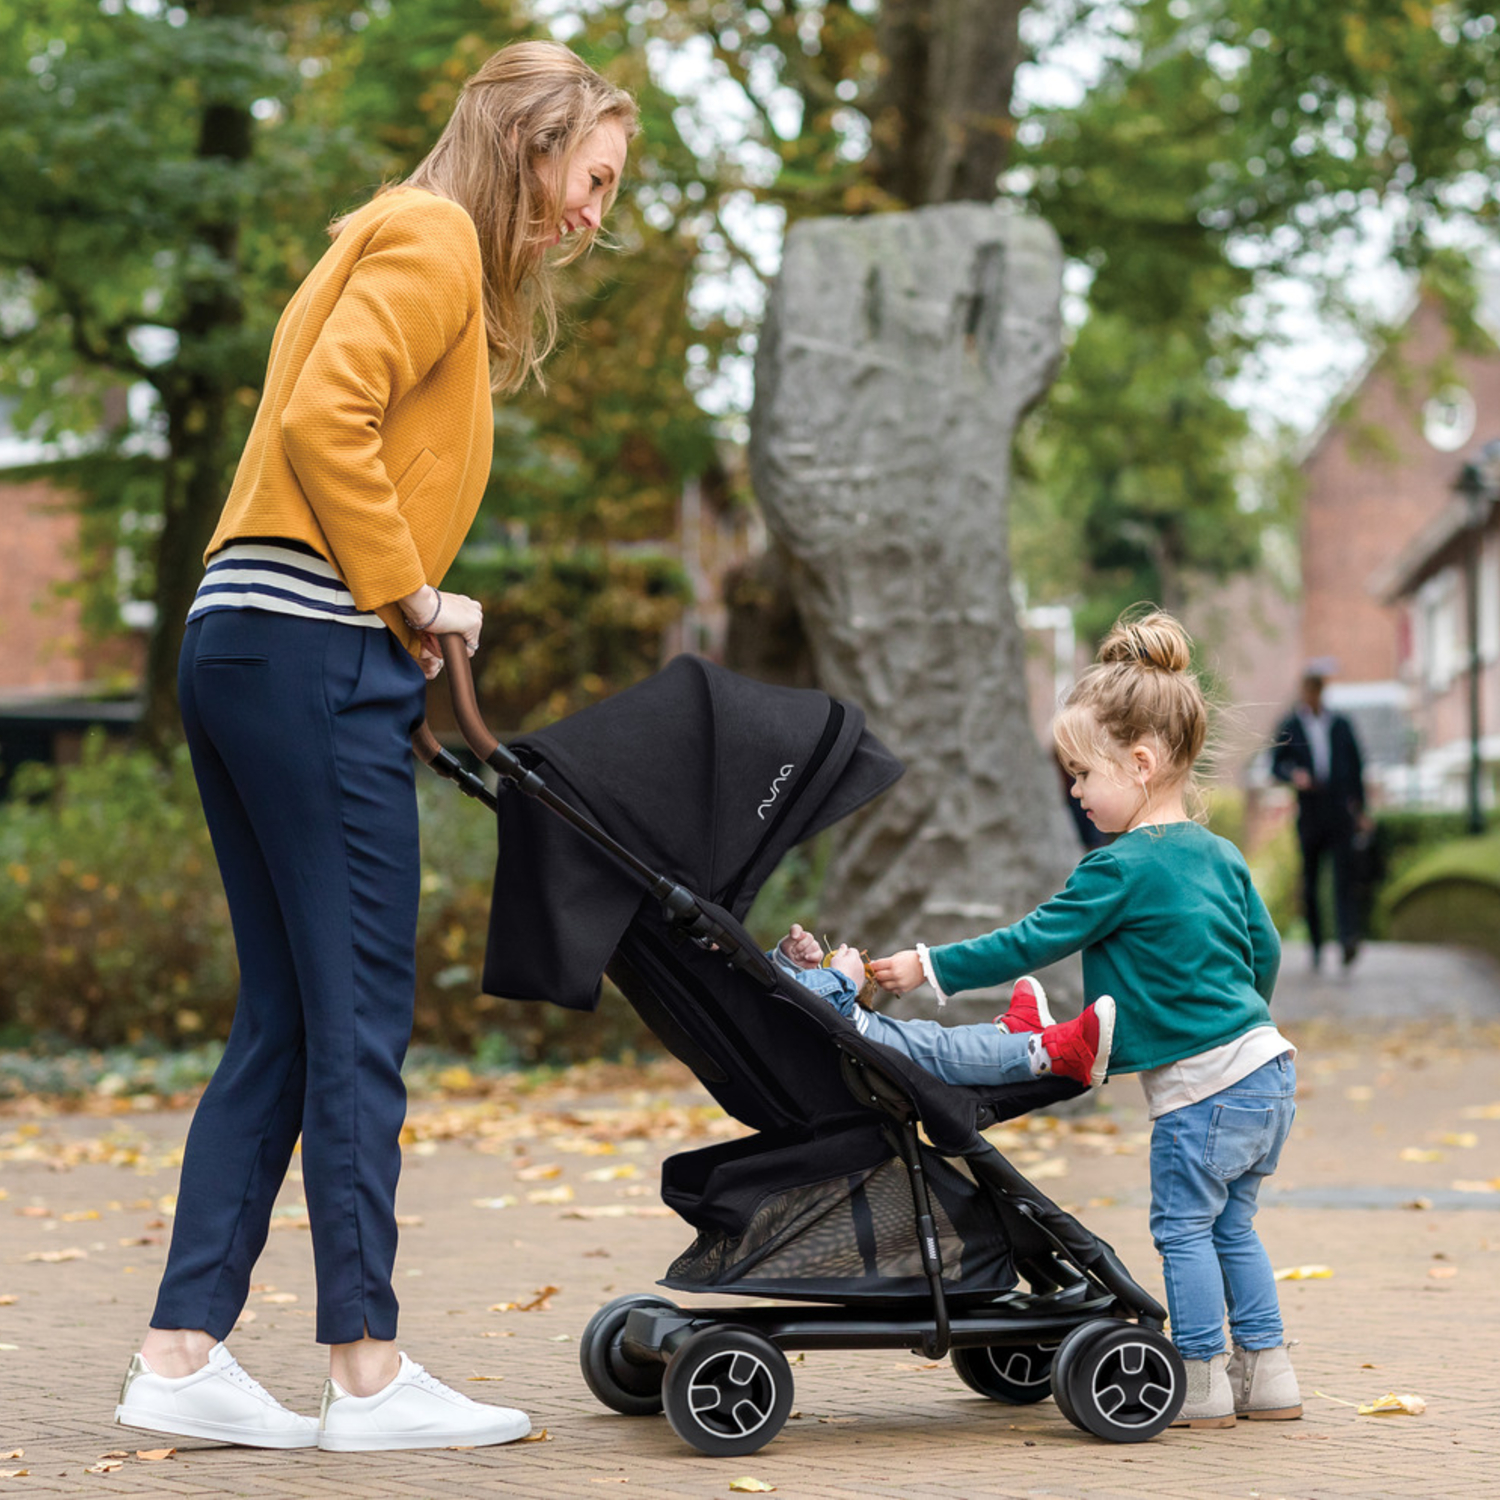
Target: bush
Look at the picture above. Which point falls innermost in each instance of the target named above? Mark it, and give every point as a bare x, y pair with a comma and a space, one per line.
1451, 894
115, 924
116, 931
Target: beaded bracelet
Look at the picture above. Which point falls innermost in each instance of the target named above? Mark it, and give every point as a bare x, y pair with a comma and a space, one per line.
431, 620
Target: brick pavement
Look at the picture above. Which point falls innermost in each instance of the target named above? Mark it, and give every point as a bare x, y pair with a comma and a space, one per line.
1397, 1128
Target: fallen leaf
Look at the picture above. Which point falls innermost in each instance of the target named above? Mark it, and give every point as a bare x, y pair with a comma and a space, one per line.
105, 1466
1305, 1273
1463, 1185
540, 1172
505, 1200
14, 1473
616, 1173
1442, 1273
1482, 1112
621, 1211
1463, 1139
486, 1377
409, 1221
132, 1240
53, 1257
155, 1455
1393, 1404
538, 1437
748, 1486
8, 1300
80, 1215
562, 1194
34, 1211
1422, 1153
280, 1298
541, 1301
5, 1458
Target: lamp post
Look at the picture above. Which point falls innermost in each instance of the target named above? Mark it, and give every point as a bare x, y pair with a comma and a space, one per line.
1479, 484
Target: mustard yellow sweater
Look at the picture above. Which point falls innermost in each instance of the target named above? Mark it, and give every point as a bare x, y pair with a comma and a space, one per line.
373, 439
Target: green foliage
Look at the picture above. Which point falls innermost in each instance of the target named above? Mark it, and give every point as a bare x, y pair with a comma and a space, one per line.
117, 933
1450, 894
116, 928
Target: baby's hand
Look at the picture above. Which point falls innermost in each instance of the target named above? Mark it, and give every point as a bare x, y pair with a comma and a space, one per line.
802, 948
898, 973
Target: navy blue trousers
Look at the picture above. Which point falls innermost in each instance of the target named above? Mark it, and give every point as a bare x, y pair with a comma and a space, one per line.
299, 738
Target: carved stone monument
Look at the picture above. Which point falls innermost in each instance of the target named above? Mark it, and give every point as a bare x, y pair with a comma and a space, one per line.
897, 354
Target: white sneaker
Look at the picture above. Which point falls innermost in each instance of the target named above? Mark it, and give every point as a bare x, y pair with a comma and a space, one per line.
219, 1401
413, 1411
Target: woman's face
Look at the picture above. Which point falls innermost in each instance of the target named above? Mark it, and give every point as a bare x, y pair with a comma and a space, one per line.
591, 179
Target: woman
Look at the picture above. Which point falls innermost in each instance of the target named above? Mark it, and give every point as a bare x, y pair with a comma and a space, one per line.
299, 690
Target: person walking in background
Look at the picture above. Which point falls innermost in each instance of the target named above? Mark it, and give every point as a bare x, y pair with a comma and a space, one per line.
302, 676
1317, 754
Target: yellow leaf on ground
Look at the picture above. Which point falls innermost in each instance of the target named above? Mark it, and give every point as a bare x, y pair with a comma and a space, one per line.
155, 1455
1442, 1273
538, 1437
105, 1466
5, 1458
1482, 1112
748, 1486
1463, 1185
486, 1377
53, 1257
8, 1300
1422, 1153
14, 1473
1392, 1404
505, 1200
1463, 1139
1305, 1273
541, 1171
561, 1194
620, 1211
617, 1173
280, 1298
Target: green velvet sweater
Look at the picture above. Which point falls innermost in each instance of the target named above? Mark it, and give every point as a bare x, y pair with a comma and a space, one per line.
1168, 923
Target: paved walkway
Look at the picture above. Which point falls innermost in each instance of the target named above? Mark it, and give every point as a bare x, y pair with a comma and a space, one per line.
1392, 1182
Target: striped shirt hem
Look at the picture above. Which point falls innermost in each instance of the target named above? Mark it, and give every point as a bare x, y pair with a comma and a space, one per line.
281, 581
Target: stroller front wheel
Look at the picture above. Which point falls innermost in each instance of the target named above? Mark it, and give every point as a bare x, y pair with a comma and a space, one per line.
728, 1391
1118, 1381
633, 1390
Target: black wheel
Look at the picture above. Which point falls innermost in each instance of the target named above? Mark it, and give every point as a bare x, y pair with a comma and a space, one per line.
1062, 1362
631, 1389
1124, 1384
728, 1391
1016, 1376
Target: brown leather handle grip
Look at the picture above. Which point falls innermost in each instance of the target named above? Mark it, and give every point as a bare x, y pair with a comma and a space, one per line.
465, 702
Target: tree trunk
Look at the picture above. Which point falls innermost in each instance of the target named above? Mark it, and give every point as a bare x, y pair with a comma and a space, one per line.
196, 394
897, 354
941, 121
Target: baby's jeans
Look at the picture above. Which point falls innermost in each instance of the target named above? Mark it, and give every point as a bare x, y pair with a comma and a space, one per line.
981, 1054
1208, 1161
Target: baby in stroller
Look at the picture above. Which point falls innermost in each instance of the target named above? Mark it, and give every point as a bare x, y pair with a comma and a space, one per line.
1022, 1044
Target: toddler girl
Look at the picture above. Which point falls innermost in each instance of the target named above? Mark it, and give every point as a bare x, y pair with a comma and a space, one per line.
1166, 917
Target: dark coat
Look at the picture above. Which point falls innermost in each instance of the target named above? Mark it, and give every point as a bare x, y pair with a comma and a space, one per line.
1342, 796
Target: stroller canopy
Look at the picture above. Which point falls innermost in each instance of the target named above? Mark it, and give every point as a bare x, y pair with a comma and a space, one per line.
706, 776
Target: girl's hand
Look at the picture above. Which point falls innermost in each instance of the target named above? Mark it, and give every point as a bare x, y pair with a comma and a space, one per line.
898, 973
802, 948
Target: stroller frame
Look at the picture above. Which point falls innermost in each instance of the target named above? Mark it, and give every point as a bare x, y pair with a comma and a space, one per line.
1086, 1333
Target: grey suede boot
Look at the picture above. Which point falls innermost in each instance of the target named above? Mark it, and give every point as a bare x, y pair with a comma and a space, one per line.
1210, 1401
1263, 1385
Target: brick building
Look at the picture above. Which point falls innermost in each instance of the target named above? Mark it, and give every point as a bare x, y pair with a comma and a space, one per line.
1378, 474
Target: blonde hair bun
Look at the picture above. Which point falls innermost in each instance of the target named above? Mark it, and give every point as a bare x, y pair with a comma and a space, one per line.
1151, 640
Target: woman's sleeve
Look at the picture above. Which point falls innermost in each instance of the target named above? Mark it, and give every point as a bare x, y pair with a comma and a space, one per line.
407, 301
1088, 907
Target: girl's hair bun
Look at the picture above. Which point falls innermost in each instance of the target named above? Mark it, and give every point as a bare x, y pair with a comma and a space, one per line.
1151, 640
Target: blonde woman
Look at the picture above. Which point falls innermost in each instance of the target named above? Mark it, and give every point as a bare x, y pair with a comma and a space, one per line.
302, 675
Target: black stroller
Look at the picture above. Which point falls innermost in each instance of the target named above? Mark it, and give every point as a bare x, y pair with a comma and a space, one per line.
866, 1201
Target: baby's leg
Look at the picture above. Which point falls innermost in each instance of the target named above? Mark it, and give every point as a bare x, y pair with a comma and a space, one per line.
978, 1054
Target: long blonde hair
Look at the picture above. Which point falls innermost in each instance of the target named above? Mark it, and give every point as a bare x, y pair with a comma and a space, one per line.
1140, 687
504, 157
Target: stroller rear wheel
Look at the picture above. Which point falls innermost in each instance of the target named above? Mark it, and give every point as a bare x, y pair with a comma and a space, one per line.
633, 1390
1118, 1381
1017, 1376
728, 1391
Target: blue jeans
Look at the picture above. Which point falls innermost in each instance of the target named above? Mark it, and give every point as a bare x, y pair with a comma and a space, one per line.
980, 1054
1208, 1161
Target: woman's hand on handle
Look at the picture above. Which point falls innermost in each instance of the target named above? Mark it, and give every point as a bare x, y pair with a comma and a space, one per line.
437, 613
